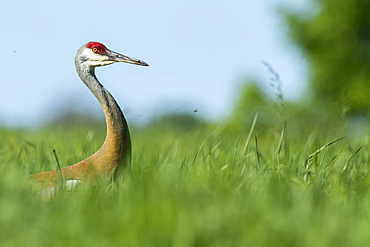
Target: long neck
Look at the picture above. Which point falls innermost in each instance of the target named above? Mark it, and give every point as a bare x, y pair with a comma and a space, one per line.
116, 150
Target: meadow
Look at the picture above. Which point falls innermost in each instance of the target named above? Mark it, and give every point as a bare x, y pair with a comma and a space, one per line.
201, 186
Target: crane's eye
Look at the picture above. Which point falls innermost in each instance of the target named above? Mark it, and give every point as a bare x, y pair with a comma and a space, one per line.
95, 49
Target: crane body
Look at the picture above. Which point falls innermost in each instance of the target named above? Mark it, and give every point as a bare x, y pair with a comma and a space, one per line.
115, 152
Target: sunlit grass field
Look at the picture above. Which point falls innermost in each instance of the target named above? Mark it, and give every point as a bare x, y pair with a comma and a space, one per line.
197, 187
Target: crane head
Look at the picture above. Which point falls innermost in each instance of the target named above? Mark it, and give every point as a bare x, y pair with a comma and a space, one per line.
96, 54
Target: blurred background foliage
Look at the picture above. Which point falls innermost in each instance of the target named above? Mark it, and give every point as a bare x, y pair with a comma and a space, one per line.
335, 39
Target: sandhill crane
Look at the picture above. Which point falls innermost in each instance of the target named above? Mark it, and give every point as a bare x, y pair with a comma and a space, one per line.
116, 150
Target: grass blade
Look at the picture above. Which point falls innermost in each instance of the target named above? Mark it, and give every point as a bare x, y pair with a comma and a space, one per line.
322, 148
353, 155
59, 169
249, 135
281, 137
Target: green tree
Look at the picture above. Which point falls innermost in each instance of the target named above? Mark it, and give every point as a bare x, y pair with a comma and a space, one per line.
336, 43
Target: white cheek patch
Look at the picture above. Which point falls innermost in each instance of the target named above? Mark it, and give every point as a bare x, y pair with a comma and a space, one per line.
95, 59
88, 53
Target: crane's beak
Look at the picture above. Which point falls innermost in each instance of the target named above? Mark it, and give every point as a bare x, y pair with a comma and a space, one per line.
116, 57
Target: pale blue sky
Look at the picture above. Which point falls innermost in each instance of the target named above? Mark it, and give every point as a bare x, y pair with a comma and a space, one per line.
198, 52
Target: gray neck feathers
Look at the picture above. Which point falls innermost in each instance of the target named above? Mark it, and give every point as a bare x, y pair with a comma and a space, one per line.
112, 111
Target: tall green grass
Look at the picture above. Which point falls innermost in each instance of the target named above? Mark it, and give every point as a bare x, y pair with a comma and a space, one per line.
200, 187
